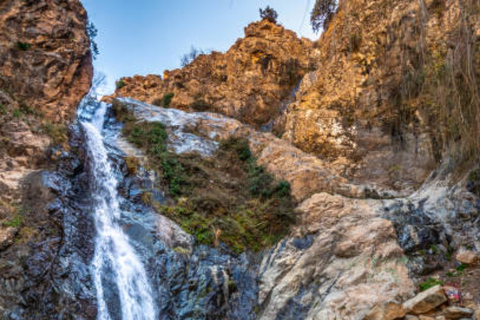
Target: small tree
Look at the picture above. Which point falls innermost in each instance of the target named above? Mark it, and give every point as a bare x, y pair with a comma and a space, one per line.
92, 33
189, 57
322, 13
269, 13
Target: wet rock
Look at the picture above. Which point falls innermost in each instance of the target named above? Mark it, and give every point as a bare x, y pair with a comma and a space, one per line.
426, 300
467, 257
454, 312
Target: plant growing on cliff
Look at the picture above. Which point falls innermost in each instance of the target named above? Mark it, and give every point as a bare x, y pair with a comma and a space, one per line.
322, 14
23, 46
167, 98
92, 33
225, 198
192, 55
120, 84
269, 13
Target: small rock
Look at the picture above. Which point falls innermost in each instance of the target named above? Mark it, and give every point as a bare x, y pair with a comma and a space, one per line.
426, 318
426, 300
439, 318
457, 312
7, 235
467, 257
411, 317
387, 311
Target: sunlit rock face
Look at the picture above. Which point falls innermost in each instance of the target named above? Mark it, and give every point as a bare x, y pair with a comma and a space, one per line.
45, 55
248, 82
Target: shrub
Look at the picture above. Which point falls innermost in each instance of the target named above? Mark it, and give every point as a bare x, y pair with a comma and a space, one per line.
322, 13
167, 98
269, 13
23, 46
57, 132
15, 222
189, 57
17, 113
120, 84
92, 34
429, 283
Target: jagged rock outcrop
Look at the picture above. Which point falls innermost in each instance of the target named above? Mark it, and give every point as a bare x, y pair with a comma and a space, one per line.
45, 70
45, 58
249, 82
375, 144
380, 97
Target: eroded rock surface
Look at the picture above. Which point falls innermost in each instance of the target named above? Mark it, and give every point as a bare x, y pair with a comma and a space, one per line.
248, 82
45, 55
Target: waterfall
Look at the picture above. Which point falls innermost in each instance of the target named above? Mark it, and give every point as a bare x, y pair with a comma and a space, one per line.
115, 267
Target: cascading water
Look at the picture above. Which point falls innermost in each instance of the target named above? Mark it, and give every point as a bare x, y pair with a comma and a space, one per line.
116, 267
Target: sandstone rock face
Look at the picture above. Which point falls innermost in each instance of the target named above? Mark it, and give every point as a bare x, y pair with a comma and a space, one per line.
45, 57
46, 69
249, 82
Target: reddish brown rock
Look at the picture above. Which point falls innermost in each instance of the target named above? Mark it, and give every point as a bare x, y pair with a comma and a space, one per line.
45, 58
248, 82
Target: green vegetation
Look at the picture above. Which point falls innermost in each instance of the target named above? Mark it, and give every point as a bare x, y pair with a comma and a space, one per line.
3, 109
17, 113
15, 222
269, 13
227, 198
23, 45
167, 98
120, 84
57, 132
322, 14
429, 283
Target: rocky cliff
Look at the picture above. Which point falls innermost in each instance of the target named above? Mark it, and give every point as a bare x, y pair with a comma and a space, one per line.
376, 143
249, 82
45, 70
282, 179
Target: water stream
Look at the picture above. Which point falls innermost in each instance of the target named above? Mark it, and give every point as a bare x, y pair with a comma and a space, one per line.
118, 273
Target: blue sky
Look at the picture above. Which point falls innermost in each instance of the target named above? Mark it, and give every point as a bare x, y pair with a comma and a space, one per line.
150, 36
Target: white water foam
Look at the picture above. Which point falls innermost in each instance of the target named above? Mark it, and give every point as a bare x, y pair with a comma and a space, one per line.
113, 252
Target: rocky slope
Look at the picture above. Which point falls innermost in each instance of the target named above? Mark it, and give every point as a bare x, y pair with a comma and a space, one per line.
377, 145
248, 82
45, 70
371, 140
